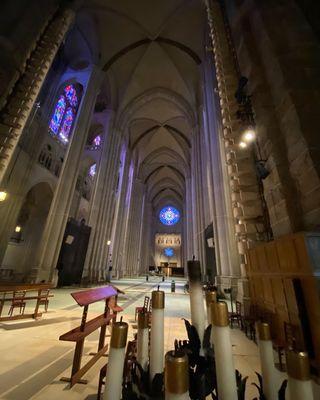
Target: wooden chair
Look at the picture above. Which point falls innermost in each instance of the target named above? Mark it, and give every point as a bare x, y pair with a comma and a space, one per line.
44, 298
144, 307
236, 316
18, 301
249, 321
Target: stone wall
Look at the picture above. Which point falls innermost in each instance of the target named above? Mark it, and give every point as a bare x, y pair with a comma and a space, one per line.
279, 52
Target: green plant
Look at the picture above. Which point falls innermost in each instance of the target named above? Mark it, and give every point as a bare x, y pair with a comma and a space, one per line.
281, 393
241, 385
202, 375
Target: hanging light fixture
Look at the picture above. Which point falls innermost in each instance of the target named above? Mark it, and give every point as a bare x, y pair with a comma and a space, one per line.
17, 229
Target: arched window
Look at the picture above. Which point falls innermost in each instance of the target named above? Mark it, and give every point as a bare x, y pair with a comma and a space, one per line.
93, 170
97, 141
64, 114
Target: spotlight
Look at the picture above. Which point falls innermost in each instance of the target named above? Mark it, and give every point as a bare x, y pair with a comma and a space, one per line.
243, 145
3, 195
17, 229
249, 135
108, 242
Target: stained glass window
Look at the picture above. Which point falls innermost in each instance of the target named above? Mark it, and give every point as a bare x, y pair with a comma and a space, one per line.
169, 252
64, 114
71, 95
169, 215
66, 126
93, 170
97, 141
58, 115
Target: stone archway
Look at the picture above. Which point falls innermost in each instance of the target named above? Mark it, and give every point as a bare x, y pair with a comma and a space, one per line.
22, 247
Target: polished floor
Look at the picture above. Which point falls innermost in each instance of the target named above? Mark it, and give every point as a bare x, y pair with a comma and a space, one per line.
33, 359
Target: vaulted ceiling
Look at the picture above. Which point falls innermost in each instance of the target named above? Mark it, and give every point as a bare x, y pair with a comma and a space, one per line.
151, 52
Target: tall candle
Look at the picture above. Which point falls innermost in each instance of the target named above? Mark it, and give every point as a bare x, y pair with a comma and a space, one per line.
226, 378
270, 389
211, 297
299, 380
143, 340
157, 334
176, 377
196, 297
113, 387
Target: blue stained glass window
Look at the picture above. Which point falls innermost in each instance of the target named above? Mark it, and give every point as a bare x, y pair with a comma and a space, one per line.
58, 115
169, 215
66, 126
71, 95
169, 252
93, 170
64, 114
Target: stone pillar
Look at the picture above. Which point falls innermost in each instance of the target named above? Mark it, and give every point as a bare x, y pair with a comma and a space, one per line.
197, 200
21, 100
240, 171
145, 238
134, 228
121, 223
189, 220
103, 204
59, 211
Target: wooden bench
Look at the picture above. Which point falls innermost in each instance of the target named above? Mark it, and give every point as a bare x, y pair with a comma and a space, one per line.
84, 298
6, 295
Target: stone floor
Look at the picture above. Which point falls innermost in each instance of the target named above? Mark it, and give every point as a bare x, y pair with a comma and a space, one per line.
33, 359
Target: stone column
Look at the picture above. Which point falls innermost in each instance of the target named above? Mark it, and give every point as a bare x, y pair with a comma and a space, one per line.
103, 206
134, 227
121, 224
227, 256
189, 220
146, 237
21, 100
243, 185
197, 202
59, 211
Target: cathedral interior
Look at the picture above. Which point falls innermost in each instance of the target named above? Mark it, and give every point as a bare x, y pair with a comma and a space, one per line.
160, 160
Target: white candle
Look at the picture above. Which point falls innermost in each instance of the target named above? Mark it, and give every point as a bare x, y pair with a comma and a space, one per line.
211, 297
113, 386
270, 389
299, 380
157, 334
198, 314
176, 376
226, 378
143, 340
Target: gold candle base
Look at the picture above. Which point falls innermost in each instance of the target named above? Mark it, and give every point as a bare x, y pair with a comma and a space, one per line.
157, 299
219, 313
119, 335
211, 297
264, 331
298, 365
143, 320
176, 372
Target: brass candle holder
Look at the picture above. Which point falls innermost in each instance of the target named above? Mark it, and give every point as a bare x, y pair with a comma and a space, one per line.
176, 372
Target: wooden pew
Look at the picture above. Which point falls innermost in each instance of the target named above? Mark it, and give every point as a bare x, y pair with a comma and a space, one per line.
78, 335
9, 288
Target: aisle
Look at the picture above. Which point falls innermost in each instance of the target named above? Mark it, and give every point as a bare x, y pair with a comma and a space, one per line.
33, 359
